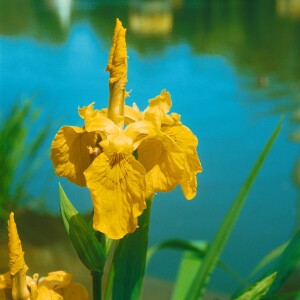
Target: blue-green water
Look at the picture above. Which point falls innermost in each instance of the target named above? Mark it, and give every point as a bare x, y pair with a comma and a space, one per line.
232, 70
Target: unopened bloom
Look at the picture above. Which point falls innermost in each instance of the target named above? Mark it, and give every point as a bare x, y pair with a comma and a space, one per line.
120, 165
16, 285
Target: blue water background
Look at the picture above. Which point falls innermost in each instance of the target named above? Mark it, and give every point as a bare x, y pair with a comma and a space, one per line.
216, 100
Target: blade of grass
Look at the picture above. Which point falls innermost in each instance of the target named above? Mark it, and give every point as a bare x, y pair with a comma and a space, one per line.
275, 253
216, 247
198, 250
286, 264
257, 290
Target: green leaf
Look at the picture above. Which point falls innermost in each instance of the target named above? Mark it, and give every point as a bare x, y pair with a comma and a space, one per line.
189, 265
258, 289
217, 245
130, 259
286, 264
198, 248
274, 254
90, 251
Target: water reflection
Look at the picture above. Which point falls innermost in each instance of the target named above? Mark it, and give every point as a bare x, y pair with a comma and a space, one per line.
251, 33
258, 40
150, 17
62, 9
288, 8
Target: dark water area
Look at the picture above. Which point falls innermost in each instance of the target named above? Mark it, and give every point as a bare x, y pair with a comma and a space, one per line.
232, 68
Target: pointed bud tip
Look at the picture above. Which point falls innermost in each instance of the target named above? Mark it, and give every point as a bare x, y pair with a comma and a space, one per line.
15, 252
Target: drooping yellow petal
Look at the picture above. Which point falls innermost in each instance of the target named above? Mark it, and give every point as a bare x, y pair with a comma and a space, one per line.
187, 142
70, 153
117, 185
183, 137
163, 162
117, 66
188, 182
75, 291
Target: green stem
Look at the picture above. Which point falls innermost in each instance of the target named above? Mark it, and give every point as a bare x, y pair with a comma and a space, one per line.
97, 276
108, 274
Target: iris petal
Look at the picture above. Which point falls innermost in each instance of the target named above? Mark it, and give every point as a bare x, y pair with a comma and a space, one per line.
163, 162
158, 109
70, 153
75, 291
117, 185
5, 281
187, 142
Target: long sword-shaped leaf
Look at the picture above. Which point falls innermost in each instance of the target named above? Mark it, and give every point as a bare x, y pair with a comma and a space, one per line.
90, 251
198, 248
273, 255
258, 289
195, 248
286, 264
216, 247
188, 268
130, 260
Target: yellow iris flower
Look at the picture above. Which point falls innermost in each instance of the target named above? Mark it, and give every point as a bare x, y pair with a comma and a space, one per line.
175, 160
120, 165
16, 285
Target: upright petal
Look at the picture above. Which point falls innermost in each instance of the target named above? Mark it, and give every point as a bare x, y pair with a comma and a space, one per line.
117, 185
70, 153
140, 130
158, 109
102, 124
132, 114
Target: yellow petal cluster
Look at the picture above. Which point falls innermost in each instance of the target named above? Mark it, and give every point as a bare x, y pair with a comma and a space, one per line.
175, 159
123, 165
16, 285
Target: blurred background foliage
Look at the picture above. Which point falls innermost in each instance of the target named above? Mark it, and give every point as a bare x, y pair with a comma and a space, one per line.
21, 156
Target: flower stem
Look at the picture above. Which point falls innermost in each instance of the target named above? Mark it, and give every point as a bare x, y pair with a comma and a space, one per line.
96, 285
108, 274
